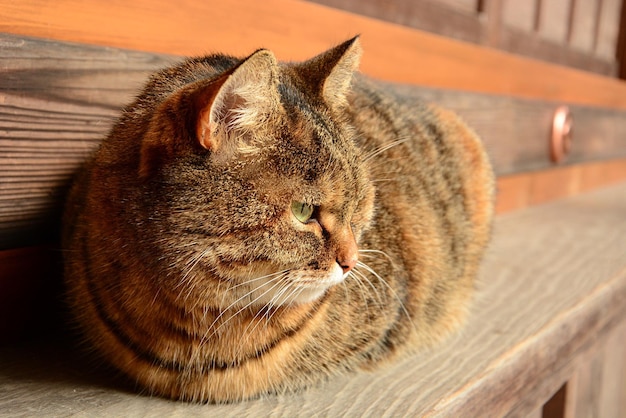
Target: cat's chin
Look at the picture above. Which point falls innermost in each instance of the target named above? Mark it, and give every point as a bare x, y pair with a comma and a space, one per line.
304, 287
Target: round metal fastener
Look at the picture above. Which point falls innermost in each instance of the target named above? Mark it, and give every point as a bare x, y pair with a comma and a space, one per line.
561, 139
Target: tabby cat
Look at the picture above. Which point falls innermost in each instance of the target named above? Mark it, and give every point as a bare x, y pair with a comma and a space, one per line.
252, 227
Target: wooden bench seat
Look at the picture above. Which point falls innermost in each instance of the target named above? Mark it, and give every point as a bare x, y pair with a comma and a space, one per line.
550, 307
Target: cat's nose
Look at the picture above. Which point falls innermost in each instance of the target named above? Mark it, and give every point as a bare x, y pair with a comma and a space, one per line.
347, 264
347, 250
347, 257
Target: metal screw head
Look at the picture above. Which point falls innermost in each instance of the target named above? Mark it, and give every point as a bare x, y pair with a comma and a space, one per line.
561, 139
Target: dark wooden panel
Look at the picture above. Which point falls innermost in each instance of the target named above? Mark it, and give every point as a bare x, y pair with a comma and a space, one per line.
56, 103
455, 21
58, 100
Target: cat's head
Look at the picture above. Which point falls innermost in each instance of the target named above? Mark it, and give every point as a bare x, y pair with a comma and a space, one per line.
254, 177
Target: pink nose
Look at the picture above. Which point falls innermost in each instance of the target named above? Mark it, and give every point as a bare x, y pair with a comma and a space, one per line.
347, 264
347, 250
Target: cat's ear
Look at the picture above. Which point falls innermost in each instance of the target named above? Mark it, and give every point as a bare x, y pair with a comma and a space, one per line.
331, 72
237, 102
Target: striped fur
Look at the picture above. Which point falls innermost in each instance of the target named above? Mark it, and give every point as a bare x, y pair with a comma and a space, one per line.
187, 270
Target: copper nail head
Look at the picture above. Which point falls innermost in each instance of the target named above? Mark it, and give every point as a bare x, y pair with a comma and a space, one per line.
561, 140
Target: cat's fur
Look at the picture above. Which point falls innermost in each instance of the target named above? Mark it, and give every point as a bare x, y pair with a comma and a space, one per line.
187, 269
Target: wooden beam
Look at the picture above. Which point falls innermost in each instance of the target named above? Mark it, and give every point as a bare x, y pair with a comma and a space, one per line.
296, 30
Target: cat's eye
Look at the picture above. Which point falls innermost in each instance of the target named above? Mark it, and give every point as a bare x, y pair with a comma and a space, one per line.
302, 211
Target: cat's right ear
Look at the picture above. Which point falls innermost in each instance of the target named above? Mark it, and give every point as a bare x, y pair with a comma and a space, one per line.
236, 103
221, 114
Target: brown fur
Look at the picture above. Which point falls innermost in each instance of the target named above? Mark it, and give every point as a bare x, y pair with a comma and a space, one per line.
187, 204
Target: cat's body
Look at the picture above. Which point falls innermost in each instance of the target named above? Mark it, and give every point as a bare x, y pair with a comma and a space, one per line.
251, 227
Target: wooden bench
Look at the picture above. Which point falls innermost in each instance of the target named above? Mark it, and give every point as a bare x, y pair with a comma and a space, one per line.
548, 328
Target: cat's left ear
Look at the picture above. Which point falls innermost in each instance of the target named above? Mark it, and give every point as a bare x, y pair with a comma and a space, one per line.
331, 72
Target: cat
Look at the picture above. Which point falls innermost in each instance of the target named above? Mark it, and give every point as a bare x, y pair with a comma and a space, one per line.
251, 227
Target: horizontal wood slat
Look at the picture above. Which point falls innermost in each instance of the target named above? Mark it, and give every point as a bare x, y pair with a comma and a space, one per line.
552, 289
516, 131
297, 30
57, 100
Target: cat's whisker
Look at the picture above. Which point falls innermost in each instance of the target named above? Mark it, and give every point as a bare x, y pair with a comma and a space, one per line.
383, 180
383, 281
222, 312
360, 276
191, 263
265, 310
270, 277
247, 282
278, 282
384, 148
206, 335
371, 253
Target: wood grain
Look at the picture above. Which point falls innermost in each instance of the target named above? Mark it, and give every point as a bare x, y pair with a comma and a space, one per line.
297, 30
57, 101
553, 287
598, 385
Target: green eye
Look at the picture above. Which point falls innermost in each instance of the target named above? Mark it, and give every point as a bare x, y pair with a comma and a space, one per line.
302, 211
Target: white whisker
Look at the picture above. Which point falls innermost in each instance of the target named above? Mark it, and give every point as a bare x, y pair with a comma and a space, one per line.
383, 281
363, 291
384, 148
278, 282
362, 276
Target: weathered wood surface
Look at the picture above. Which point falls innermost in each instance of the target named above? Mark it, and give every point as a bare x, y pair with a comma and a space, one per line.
297, 30
552, 291
57, 100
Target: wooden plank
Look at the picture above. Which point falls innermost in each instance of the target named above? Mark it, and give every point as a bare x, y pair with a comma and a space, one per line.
459, 22
297, 30
504, 24
518, 191
553, 285
516, 131
584, 25
535, 414
519, 42
467, 6
519, 14
608, 28
554, 184
613, 376
554, 20
597, 386
57, 101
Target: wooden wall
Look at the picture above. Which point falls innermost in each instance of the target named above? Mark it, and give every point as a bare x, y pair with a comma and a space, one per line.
582, 34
